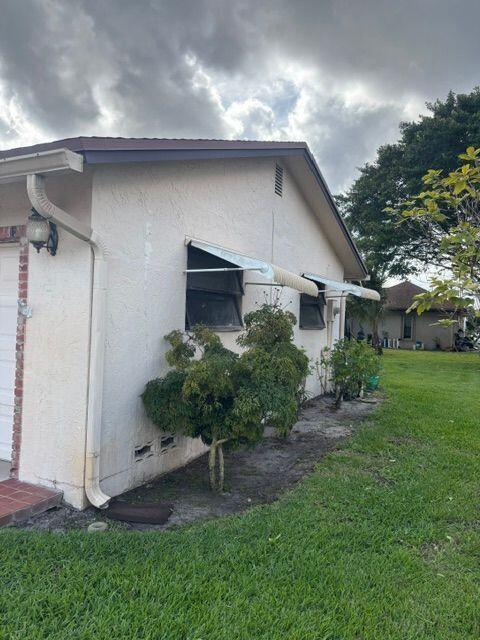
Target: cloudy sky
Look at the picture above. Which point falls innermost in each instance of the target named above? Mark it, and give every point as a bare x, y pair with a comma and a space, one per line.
340, 74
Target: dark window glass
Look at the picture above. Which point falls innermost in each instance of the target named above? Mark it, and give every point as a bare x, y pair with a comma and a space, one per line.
217, 310
224, 281
407, 327
311, 311
213, 298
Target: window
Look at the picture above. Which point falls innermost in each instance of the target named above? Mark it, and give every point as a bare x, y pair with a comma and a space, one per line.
311, 311
213, 297
407, 326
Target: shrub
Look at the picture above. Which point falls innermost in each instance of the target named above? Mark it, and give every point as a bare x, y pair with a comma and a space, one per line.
350, 364
161, 401
267, 327
226, 398
276, 369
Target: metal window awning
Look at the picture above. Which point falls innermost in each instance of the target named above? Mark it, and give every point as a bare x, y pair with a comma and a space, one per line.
245, 263
344, 287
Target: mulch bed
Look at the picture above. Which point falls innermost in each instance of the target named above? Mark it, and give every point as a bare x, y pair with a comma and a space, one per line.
253, 476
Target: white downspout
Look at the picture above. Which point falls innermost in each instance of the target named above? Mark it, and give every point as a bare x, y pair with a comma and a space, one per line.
341, 328
46, 208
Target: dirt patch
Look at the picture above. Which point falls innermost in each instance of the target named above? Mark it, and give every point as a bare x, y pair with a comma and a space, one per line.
253, 476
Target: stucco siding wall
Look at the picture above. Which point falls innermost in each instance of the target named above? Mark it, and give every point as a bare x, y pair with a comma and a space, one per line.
391, 325
144, 213
427, 331
424, 328
56, 366
56, 346
300, 245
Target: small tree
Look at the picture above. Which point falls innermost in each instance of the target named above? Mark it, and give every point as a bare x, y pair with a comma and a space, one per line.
448, 213
351, 364
370, 311
226, 398
274, 368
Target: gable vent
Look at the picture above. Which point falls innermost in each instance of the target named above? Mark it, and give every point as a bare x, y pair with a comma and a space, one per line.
278, 180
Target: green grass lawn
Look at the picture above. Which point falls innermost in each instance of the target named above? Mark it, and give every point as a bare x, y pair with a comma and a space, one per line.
382, 541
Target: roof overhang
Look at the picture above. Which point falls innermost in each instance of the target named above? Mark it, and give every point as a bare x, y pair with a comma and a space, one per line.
56, 161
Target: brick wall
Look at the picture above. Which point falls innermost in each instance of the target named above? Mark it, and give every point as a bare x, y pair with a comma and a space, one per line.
17, 235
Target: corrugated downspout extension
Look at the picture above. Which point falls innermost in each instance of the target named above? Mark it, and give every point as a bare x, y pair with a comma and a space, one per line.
46, 208
289, 279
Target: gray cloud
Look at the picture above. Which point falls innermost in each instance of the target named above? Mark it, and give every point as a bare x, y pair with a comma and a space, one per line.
340, 74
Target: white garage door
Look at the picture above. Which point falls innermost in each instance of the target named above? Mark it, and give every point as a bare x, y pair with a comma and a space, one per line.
8, 328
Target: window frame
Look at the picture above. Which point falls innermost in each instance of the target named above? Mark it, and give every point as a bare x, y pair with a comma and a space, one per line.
209, 293
310, 301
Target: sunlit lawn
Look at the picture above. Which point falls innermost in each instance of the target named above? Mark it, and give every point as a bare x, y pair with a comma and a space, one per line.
382, 541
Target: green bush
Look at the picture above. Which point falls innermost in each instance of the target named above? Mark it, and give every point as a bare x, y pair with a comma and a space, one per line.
161, 401
225, 398
350, 365
275, 368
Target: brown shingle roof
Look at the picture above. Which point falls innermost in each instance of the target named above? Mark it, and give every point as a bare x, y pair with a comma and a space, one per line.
399, 297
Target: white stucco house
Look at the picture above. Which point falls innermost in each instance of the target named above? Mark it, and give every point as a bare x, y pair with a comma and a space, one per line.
82, 323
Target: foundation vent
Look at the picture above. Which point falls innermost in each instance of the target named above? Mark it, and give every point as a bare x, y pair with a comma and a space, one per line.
143, 452
167, 442
278, 180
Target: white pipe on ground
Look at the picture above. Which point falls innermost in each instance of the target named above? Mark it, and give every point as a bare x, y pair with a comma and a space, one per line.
46, 208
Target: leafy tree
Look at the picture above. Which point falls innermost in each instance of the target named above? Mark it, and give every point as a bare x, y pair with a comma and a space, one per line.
370, 311
396, 175
274, 368
350, 365
225, 398
447, 212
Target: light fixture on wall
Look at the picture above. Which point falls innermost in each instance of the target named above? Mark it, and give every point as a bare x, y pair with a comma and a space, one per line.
42, 233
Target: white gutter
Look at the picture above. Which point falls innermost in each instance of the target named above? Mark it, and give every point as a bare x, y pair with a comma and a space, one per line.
53, 161
46, 208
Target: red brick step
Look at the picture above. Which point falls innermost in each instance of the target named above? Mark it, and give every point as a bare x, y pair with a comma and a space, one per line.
20, 501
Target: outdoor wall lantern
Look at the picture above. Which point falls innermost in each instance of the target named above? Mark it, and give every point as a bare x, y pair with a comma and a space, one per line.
42, 233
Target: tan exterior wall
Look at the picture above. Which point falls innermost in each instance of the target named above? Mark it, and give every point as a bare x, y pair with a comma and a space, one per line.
424, 329
428, 332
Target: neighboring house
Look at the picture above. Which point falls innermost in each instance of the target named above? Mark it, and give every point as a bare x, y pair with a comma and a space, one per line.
410, 329
132, 216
